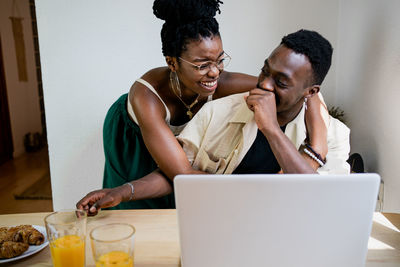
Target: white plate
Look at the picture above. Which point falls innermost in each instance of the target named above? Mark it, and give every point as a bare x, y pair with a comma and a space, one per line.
32, 249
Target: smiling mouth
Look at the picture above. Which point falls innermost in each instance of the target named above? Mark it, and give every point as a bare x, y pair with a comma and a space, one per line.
209, 84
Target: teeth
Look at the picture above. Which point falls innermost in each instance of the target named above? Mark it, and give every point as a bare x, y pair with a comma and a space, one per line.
209, 84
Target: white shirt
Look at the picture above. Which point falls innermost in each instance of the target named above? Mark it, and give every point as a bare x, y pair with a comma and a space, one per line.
221, 133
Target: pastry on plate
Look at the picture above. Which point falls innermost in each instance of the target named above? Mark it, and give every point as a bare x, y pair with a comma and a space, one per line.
11, 249
24, 233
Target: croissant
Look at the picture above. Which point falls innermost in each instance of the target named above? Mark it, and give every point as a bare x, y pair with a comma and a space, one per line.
10, 249
3, 234
25, 234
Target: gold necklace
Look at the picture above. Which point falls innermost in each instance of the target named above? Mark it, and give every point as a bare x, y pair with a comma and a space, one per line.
176, 88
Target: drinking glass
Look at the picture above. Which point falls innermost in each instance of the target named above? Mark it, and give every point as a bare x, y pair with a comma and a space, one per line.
113, 244
66, 232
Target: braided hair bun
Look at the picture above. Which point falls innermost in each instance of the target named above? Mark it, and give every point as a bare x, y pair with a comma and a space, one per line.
185, 20
179, 12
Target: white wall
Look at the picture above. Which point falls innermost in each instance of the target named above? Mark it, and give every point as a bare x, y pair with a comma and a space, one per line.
252, 29
92, 51
368, 86
23, 98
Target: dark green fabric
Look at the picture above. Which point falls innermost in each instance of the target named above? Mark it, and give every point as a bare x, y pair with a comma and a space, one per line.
127, 157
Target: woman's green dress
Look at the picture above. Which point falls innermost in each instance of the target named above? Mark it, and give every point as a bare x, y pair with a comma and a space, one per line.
126, 156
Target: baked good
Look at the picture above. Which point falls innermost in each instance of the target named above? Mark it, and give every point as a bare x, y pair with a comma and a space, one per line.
24, 233
10, 249
16, 240
3, 234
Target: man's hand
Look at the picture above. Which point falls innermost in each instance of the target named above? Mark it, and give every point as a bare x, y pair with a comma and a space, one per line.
104, 198
263, 104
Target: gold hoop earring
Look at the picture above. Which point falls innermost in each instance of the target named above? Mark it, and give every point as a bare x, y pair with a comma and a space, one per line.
176, 85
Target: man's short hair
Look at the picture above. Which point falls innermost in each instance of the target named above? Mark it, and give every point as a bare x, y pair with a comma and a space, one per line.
315, 47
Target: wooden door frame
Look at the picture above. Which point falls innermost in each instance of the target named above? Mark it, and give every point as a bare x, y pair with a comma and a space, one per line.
5, 135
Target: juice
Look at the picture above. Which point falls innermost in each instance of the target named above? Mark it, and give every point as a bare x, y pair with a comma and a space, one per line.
68, 251
115, 259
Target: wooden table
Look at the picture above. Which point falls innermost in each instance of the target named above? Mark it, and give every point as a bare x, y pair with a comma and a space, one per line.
157, 242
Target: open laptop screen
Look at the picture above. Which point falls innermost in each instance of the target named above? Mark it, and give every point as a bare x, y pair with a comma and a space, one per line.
275, 220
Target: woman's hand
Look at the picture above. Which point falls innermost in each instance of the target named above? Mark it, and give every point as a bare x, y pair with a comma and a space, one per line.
104, 198
317, 122
153, 185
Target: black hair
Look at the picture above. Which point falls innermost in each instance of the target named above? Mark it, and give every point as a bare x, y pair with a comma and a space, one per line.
185, 21
315, 47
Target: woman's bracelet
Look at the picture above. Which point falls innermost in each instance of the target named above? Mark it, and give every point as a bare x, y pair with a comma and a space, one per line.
309, 153
132, 191
315, 153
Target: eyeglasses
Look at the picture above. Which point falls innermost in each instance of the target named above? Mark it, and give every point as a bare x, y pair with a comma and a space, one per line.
206, 66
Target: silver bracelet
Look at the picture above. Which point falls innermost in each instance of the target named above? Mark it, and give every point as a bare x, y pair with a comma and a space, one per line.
309, 153
132, 191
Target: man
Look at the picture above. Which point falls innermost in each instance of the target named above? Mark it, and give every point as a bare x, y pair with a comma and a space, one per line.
264, 132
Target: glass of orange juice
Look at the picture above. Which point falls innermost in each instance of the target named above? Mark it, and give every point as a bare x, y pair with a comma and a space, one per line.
66, 231
112, 245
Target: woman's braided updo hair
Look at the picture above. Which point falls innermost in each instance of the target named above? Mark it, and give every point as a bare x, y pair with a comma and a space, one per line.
185, 20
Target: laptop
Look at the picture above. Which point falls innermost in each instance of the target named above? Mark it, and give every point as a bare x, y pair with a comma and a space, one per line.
275, 220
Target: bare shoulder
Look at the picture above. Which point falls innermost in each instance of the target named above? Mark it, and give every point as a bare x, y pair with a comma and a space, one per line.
155, 77
141, 96
233, 83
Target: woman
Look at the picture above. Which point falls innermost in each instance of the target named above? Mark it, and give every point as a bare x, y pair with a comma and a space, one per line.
140, 128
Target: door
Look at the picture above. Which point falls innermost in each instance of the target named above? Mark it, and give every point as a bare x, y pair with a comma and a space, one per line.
6, 145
